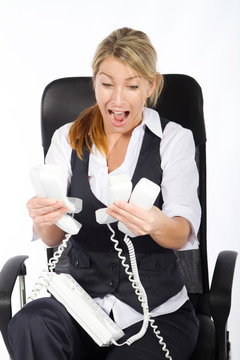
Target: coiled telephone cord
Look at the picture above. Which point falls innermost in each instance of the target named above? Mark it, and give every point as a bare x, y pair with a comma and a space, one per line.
43, 278
132, 276
140, 292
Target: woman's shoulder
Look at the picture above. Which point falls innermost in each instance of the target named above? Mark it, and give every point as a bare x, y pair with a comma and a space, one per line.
177, 141
61, 135
60, 150
175, 129
165, 127
63, 130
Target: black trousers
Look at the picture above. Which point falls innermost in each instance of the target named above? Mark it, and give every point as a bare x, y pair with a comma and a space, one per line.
43, 330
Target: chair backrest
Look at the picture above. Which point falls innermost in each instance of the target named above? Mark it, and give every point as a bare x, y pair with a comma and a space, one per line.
181, 101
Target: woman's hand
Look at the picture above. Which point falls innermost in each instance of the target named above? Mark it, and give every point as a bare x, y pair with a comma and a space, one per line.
167, 232
137, 219
44, 213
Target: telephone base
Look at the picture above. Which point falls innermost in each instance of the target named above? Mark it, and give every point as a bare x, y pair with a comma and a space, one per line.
83, 309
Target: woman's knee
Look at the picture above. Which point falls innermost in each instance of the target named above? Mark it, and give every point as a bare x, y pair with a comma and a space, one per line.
43, 329
34, 314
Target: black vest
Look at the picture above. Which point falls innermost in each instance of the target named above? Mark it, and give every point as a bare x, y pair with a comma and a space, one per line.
94, 262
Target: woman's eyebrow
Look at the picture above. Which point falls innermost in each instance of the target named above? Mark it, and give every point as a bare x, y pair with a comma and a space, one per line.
128, 79
133, 77
103, 73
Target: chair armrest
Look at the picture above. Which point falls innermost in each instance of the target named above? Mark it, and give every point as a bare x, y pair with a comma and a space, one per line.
8, 275
220, 298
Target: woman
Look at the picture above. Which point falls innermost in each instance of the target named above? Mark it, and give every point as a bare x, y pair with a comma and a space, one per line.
119, 135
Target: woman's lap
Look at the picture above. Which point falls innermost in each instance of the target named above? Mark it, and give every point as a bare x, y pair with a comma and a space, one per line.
44, 330
179, 331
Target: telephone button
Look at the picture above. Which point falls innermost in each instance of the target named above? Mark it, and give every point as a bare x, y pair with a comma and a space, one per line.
112, 283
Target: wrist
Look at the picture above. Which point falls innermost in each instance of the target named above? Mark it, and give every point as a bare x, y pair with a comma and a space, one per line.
172, 232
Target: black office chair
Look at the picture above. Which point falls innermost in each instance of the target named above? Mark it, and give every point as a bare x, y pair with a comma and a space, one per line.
181, 101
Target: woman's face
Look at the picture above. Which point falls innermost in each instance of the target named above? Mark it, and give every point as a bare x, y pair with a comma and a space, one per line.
121, 94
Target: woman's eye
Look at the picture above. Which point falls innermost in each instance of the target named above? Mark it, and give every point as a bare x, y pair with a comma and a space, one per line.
106, 85
133, 87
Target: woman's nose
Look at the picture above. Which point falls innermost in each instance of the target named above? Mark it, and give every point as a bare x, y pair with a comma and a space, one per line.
117, 96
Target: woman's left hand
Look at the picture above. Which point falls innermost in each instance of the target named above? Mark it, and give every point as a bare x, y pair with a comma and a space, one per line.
168, 232
137, 219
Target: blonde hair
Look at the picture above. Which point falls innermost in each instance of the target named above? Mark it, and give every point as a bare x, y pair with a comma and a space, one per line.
134, 49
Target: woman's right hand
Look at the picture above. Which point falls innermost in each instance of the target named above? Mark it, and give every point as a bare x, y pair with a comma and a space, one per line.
44, 211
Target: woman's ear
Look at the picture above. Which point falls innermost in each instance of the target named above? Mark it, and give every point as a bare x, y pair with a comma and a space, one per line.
151, 87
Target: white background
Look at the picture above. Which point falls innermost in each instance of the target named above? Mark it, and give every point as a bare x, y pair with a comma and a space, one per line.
47, 39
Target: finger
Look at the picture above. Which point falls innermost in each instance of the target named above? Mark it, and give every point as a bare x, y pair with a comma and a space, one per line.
39, 206
121, 215
38, 213
37, 202
138, 220
127, 210
45, 209
50, 218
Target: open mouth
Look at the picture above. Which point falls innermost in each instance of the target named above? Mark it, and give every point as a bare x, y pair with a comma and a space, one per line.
118, 117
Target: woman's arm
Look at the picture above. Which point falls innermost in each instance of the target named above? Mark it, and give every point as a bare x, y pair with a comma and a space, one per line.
168, 232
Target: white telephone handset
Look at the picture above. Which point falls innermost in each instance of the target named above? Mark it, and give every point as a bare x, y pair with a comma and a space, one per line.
48, 182
144, 195
119, 188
